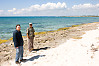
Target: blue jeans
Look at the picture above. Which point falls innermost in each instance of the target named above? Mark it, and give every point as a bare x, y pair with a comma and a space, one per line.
19, 53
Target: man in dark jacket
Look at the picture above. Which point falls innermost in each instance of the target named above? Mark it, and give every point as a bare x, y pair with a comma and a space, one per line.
18, 43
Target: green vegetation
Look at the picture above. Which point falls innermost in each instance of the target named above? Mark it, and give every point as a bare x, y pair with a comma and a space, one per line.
76, 25
66, 28
77, 37
40, 33
3, 41
11, 38
37, 33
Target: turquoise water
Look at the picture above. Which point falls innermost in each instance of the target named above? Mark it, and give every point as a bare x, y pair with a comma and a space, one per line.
7, 24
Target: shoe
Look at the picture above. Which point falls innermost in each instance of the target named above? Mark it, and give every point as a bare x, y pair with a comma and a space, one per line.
23, 60
17, 62
31, 50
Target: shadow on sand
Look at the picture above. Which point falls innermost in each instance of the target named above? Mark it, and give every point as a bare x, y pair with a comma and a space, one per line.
38, 56
41, 49
35, 57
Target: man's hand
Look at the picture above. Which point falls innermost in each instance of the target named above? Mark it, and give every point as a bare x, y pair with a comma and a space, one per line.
16, 47
28, 37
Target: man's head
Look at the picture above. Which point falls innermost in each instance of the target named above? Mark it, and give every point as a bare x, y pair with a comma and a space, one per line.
18, 27
30, 25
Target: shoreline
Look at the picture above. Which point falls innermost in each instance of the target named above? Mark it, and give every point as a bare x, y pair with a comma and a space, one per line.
38, 33
53, 16
49, 40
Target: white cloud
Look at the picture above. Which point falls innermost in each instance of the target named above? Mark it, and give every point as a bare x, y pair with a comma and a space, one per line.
43, 7
85, 6
83, 9
52, 6
48, 6
1, 11
54, 9
14, 9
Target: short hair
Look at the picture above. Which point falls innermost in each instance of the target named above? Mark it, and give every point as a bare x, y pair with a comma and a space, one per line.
17, 25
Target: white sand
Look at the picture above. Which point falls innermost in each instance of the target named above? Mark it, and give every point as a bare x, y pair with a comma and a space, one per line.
74, 52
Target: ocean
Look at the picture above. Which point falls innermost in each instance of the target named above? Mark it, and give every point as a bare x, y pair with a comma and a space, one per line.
40, 24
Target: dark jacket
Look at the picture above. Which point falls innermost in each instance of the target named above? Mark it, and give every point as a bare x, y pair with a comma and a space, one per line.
17, 38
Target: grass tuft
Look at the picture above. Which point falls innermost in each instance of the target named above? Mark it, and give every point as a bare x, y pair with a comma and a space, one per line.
77, 37
3, 41
66, 28
75, 25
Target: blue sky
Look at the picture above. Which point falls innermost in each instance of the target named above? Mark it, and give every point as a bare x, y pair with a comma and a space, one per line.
15, 5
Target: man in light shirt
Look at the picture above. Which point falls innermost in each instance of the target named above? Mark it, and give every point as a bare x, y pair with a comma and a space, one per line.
30, 36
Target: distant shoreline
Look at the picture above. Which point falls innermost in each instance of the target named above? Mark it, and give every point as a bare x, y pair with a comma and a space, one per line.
79, 16
49, 16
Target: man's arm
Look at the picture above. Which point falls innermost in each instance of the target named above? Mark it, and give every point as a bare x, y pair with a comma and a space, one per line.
28, 36
15, 39
33, 29
27, 33
22, 38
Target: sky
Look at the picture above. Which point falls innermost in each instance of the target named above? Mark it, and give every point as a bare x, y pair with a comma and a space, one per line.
49, 7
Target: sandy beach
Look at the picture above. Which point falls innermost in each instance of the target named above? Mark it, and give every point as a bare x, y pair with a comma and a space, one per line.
75, 46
